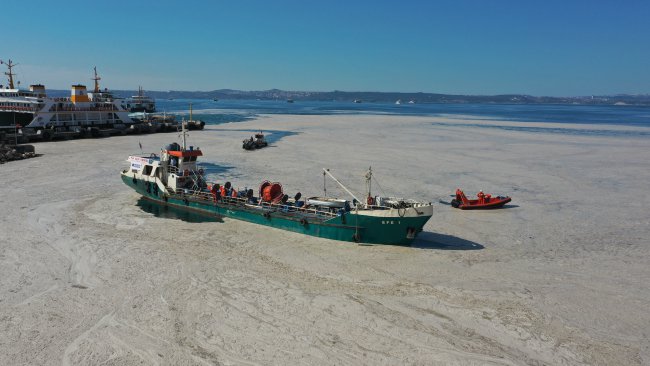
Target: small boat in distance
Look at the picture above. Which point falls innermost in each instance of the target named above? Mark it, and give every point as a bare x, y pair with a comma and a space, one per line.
255, 142
483, 201
399, 101
289, 100
357, 101
192, 124
215, 99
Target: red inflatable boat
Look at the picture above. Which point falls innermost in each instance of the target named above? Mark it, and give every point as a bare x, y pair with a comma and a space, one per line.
484, 201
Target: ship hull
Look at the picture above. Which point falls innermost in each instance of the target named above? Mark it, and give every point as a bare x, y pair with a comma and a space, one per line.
142, 109
11, 119
350, 226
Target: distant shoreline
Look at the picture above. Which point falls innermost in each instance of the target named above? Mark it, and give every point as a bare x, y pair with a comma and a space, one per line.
386, 97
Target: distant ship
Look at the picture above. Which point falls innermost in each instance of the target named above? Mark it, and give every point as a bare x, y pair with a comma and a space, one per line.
192, 124
399, 101
174, 178
289, 100
81, 113
357, 101
140, 103
411, 102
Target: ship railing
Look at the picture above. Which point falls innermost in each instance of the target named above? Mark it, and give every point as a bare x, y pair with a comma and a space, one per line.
205, 195
56, 108
16, 108
311, 211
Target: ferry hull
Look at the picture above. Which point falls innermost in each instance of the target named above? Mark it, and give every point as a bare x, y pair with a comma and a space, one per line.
347, 227
11, 119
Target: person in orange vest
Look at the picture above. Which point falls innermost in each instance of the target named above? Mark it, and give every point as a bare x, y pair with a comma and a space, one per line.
215, 192
481, 197
223, 191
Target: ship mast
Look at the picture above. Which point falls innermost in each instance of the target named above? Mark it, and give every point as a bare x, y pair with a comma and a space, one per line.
10, 65
184, 133
97, 79
369, 181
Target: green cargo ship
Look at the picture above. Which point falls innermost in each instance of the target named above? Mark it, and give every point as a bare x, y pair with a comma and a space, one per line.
174, 178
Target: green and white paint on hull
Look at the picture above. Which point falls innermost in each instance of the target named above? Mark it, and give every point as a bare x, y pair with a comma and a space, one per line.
173, 178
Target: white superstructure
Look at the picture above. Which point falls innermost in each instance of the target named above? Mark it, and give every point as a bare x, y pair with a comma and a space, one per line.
82, 110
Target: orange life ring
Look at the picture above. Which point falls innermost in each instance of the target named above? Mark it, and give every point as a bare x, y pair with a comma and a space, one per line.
370, 201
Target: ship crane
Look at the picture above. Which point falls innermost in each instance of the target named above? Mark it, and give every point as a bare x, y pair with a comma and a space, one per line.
327, 171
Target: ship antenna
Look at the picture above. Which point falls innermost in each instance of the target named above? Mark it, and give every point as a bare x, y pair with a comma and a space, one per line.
190, 111
97, 79
11, 75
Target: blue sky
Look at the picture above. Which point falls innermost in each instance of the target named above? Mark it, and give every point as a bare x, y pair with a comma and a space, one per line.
558, 48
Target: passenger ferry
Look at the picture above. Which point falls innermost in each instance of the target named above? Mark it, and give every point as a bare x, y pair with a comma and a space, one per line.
174, 178
82, 113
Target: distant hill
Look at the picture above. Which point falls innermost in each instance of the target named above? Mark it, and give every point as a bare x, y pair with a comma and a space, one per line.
383, 97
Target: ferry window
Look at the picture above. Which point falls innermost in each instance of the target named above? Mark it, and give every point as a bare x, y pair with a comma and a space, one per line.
192, 158
147, 170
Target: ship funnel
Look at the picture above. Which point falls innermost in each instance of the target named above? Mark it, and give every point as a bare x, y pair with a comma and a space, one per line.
79, 94
37, 89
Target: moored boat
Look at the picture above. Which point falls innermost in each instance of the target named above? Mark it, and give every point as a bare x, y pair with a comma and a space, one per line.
193, 124
96, 113
174, 178
140, 103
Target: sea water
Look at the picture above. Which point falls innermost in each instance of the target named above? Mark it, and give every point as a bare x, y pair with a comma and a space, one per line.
227, 111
